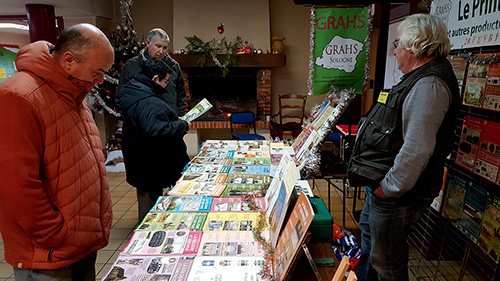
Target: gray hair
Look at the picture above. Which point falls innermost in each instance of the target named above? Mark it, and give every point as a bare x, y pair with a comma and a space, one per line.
158, 33
77, 39
425, 35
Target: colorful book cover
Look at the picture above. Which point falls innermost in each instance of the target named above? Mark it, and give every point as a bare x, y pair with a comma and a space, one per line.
191, 188
258, 170
251, 154
208, 168
276, 213
220, 153
153, 243
489, 238
173, 221
454, 198
150, 268
488, 154
252, 161
231, 221
475, 85
231, 244
183, 204
203, 177
292, 236
469, 141
212, 160
226, 268
240, 190
475, 201
236, 204
248, 179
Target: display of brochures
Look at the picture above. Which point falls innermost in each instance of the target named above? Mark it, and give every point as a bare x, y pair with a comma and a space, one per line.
182, 204
241, 190
231, 244
150, 268
226, 269
207, 168
223, 153
212, 160
173, 221
252, 161
191, 188
175, 242
237, 204
203, 177
199, 109
489, 239
231, 221
248, 179
258, 170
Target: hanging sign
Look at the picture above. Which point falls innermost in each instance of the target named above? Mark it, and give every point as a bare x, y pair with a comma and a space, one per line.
471, 23
339, 39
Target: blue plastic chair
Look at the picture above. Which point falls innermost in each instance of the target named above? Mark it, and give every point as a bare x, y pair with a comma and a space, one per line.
244, 118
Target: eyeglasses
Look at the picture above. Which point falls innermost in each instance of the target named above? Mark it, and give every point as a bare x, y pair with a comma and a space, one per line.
395, 43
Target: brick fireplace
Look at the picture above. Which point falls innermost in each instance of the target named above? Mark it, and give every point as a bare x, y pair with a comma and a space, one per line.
251, 92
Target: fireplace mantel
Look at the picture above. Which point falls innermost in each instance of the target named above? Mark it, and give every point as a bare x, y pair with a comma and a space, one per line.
257, 61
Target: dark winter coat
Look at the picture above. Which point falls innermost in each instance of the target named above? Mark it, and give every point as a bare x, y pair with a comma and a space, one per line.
154, 151
175, 95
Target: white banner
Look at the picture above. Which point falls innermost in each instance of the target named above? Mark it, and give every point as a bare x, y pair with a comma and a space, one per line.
471, 23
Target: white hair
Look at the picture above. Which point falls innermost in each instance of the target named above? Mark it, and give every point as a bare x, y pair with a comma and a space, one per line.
425, 35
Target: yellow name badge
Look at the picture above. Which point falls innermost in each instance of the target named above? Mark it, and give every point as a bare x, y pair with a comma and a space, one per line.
382, 97
2, 73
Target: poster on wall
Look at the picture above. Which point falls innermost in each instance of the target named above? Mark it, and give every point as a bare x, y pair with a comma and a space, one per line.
482, 88
338, 56
7, 66
471, 23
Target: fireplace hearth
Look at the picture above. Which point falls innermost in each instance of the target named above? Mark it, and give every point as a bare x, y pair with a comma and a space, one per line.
247, 86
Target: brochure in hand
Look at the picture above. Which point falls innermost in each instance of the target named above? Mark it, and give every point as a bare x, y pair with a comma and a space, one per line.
203, 106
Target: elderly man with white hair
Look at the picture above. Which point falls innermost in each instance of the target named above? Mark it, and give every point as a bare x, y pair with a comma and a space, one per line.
401, 147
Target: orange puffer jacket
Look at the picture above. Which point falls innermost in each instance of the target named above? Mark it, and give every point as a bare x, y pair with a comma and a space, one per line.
55, 206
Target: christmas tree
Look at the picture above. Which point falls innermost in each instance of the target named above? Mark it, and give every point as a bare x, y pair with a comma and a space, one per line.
126, 45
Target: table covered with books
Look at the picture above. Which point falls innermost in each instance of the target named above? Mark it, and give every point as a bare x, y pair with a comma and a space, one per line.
235, 214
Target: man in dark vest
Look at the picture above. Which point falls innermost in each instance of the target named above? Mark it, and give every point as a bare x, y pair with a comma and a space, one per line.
401, 147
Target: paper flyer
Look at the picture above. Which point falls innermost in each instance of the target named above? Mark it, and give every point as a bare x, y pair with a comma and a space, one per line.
182, 204
173, 221
176, 242
226, 268
199, 109
139, 268
231, 221
236, 204
232, 244
191, 188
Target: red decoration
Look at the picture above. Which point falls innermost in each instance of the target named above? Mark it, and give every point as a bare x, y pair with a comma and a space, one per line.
220, 28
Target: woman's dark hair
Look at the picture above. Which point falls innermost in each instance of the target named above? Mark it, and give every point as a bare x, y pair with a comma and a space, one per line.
155, 66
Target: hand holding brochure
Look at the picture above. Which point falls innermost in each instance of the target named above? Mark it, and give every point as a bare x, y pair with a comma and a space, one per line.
203, 106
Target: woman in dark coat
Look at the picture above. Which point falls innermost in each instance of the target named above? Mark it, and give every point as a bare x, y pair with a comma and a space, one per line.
154, 151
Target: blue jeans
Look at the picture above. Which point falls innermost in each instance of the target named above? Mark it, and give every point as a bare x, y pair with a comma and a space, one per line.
385, 225
82, 270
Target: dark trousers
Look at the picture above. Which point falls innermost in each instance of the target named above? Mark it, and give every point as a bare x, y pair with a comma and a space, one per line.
146, 200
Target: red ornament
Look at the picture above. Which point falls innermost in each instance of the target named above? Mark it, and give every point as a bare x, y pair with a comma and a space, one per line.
220, 28
96, 103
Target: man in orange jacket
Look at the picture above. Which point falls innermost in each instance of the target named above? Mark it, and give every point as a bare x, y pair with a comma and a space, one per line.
55, 207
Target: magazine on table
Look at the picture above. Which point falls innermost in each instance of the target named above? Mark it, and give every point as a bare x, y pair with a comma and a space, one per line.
231, 221
201, 108
150, 268
170, 242
173, 221
231, 244
226, 268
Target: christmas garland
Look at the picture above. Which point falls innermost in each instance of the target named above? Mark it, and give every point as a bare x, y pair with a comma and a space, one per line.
213, 48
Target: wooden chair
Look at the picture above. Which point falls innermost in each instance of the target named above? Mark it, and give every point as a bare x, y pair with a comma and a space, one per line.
291, 114
341, 270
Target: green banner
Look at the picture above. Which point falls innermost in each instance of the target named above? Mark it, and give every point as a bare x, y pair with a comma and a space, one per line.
339, 49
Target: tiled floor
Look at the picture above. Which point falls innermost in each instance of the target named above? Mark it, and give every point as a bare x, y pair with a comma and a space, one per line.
125, 218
